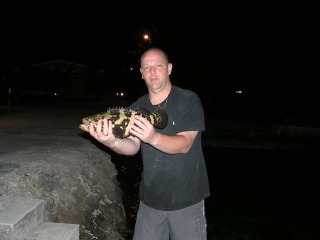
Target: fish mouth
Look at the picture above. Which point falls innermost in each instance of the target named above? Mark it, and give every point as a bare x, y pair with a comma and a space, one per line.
84, 127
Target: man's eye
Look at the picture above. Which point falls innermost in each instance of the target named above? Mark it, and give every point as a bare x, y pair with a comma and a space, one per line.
145, 68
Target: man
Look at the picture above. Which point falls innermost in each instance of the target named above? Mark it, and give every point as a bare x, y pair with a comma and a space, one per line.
174, 180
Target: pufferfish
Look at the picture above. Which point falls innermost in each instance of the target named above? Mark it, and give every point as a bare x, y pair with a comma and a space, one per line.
122, 119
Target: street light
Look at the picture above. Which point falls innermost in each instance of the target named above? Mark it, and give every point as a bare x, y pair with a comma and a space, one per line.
146, 37
145, 42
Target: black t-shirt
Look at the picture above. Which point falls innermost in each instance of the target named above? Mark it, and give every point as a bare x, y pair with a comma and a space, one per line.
175, 181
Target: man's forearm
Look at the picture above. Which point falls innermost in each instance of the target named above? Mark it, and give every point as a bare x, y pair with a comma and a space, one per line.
125, 146
174, 144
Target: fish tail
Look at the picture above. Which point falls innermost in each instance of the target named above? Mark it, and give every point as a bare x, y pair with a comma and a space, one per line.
160, 118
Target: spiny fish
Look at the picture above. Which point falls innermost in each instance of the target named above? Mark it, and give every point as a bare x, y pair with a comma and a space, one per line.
122, 119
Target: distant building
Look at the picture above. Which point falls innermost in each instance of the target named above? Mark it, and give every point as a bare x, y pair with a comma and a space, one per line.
62, 79
67, 79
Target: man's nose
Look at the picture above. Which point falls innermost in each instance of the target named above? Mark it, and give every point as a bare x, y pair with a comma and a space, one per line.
152, 69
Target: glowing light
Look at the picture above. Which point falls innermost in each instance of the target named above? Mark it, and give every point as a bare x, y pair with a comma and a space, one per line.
121, 94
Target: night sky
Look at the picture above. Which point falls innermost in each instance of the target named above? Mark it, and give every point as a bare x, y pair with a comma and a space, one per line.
236, 45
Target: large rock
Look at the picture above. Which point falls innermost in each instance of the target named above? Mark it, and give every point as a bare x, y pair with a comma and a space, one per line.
43, 154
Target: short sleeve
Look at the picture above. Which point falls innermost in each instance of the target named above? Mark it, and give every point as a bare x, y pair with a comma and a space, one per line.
188, 112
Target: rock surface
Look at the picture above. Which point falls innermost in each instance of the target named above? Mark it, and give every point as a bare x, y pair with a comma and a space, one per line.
43, 154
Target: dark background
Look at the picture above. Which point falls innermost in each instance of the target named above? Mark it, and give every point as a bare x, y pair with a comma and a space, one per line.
269, 50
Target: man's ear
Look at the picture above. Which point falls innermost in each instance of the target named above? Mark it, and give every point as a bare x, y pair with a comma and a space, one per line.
170, 66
